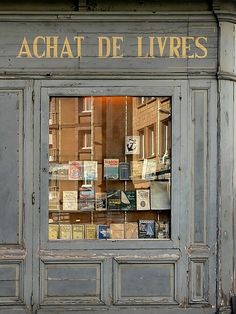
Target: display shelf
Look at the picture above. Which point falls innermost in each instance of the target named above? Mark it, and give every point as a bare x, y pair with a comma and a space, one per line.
109, 173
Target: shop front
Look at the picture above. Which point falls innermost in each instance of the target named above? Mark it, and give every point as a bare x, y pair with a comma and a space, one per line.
110, 164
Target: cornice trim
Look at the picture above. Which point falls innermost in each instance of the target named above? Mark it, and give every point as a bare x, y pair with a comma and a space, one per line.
226, 16
107, 16
105, 75
226, 76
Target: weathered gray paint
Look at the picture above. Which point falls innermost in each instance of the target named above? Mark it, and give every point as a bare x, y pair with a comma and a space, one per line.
227, 149
15, 261
11, 150
109, 251
94, 25
199, 135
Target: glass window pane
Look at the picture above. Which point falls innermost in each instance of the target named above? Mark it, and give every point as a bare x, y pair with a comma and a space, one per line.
109, 168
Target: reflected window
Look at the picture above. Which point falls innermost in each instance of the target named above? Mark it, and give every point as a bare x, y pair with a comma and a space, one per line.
87, 140
87, 104
151, 141
142, 144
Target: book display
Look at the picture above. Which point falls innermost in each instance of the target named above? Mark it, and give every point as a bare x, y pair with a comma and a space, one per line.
110, 173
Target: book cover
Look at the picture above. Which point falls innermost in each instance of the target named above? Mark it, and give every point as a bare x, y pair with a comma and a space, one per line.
90, 170
103, 232
86, 192
101, 201
54, 200
160, 195
136, 167
58, 171
124, 171
111, 169
162, 230
131, 230
78, 231
86, 205
53, 230
149, 169
146, 229
86, 198
90, 232
65, 232
70, 200
61, 217
132, 145
114, 199
128, 200
117, 231
76, 170
143, 199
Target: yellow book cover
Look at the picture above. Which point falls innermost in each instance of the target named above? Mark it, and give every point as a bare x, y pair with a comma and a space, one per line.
53, 231
131, 230
117, 231
78, 232
54, 200
70, 200
66, 232
90, 232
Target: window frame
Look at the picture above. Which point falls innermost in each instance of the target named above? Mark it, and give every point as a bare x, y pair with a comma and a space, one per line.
87, 107
142, 143
85, 140
151, 140
62, 91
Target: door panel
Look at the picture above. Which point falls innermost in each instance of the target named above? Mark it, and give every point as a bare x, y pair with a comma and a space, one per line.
92, 275
15, 203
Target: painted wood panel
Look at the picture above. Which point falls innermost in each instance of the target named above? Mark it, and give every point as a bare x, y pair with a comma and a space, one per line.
10, 282
11, 153
199, 285
128, 291
78, 45
146, 282
199, 153
72, 282
129, 310
227, 187
227, 47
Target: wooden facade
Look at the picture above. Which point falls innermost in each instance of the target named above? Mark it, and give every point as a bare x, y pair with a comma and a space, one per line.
185, 52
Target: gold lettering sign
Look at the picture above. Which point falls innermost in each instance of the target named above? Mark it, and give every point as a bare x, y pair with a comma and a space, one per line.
51, 47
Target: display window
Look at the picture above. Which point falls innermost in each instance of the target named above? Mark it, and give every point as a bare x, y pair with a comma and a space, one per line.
109, 168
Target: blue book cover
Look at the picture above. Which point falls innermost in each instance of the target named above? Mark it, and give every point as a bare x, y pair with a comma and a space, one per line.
103, 232
124, 171
146, 229
111, 169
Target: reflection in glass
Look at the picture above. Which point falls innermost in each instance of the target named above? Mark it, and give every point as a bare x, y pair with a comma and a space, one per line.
109, 168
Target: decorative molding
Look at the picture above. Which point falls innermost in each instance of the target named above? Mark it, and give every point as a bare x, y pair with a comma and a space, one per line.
211, 74
194, 251
107, 16
136, 292
65, 272
11, 282
225, 310
13, 254
199, 285
199, 146
225, 16
226, 76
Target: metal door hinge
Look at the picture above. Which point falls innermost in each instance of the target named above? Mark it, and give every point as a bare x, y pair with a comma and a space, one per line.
33, 96
33, 198
31, 300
